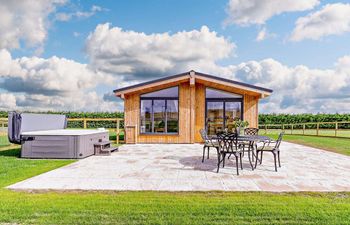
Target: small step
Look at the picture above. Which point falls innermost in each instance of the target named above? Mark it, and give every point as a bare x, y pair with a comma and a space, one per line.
102, 143
110, 149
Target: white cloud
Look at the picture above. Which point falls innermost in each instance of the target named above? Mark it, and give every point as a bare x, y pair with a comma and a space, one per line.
261, 35
299, 89
332, 19
133, 55
248, 12
25, 21
50, 84
7, 101
76, 34
62, 16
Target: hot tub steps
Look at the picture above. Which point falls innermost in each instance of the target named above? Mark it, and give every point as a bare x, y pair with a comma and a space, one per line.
104, 148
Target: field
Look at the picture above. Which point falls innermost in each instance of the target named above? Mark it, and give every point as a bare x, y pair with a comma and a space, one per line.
158, 207
338, 145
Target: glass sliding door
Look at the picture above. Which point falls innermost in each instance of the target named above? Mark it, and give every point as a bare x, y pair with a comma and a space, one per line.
222, 110
146, 116
232, 113
159, 116
172, 112
215, 117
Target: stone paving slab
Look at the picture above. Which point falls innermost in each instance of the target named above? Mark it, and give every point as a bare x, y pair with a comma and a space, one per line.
178, 167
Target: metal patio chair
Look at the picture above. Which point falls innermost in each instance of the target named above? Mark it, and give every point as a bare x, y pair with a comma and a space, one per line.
274, 149
228, 145
250, 131
208, 143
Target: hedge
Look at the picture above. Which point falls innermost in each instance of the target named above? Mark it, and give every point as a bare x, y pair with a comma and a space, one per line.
90, 124
305, 118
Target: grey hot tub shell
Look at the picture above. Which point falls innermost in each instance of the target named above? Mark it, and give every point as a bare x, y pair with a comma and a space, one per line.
61, 144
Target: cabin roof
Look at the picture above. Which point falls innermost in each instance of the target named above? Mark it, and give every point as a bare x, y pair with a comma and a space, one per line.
188, 75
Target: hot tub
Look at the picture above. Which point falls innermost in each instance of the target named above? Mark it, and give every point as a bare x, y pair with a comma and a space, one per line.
61, 144
46, 136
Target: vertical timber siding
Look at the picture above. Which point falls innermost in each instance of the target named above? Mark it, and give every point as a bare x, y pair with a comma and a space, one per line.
200, 111
250, 107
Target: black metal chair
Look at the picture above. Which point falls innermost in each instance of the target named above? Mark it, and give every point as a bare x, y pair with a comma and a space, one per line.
249, 132
274, 149
228, 145
208, 143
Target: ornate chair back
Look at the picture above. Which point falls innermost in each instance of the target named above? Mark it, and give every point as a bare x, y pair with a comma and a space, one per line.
251, 131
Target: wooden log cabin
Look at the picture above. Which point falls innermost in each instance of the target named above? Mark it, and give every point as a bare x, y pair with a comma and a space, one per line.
173, 109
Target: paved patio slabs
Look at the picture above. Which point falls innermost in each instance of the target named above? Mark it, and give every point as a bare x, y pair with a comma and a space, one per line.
178, 167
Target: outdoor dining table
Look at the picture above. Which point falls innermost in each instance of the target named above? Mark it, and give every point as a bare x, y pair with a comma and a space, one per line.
251, 140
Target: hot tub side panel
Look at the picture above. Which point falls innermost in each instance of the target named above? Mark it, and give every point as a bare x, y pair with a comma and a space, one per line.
85, 143
61, 146
58, 147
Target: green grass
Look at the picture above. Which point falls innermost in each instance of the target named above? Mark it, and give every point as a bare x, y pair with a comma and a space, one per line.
158, 207
4, 140
338, 145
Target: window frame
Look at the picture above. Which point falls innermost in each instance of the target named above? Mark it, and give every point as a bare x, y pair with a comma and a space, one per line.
166, 112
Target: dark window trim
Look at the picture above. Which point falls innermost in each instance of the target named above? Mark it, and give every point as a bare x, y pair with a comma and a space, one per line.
159, 98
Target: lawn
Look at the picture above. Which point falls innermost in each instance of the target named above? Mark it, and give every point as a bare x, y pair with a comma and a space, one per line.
339, 145
4, 140
158, 207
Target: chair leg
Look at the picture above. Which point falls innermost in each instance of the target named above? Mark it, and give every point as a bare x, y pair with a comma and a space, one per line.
219, 161
208, 153
274, 157
223, 160
237, 163
203, 153
257, 159
279, 161
261, 156
240, 159
250, 157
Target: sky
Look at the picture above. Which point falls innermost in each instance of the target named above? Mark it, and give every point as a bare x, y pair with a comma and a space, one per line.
66, 55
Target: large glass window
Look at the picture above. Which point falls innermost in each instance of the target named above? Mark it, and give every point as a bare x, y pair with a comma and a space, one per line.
159, 111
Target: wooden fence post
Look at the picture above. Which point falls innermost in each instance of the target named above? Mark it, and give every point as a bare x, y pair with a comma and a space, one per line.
291, 131
317, 129
336, 129
85, 123
303, 128
117, 137
265, 129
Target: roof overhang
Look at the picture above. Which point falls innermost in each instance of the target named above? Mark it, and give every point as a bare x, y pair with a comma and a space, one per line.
192, 77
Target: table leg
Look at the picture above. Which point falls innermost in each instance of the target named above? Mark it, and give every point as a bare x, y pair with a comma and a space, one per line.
250, 159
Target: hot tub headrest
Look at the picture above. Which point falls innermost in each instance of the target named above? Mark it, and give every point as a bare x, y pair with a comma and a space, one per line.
24, 122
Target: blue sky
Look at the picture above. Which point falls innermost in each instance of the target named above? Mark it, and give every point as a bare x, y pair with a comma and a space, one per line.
287, 59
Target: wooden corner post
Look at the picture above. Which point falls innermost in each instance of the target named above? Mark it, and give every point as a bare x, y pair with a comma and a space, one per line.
193, 105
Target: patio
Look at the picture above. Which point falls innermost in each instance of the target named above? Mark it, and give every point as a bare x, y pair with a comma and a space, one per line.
178, 167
